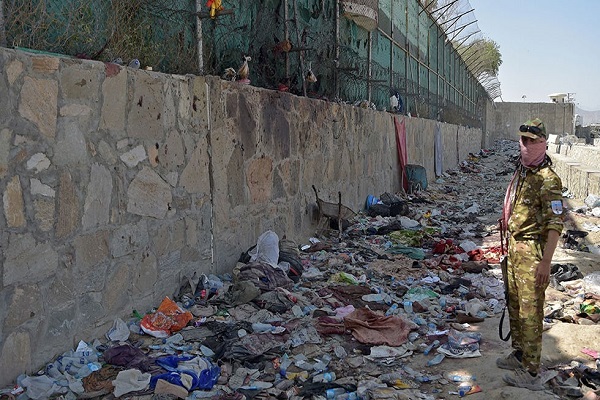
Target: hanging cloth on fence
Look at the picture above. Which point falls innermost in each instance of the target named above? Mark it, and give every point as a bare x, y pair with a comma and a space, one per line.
438, 150
402, 155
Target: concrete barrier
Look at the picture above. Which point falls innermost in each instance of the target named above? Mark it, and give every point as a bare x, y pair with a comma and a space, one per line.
577, 167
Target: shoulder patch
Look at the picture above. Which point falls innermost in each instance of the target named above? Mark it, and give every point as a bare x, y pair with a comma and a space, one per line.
557, 207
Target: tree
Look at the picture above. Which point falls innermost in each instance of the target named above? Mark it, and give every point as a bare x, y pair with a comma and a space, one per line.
481, 56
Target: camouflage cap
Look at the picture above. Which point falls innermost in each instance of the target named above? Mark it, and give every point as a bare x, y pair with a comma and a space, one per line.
533, 128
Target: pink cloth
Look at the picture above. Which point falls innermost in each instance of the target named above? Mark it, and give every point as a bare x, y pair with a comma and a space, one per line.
532, 154
402, 152
507, 206
372, 328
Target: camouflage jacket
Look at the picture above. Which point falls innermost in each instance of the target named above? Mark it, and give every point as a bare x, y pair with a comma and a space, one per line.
537, 204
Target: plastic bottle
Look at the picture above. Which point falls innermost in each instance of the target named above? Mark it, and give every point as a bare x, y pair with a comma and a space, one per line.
464, 390
461, 378
408, 306
392, 310
333, 393
259, 327
324, 377
347, 396
87, 369
443, 301
428, 349
177, 338
284, 364
436, 360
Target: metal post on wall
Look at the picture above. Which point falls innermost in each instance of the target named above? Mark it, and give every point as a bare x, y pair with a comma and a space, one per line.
199, 41
2, 28
392, 46
300, 53
337, 49
286, 36
369, 68
406, 62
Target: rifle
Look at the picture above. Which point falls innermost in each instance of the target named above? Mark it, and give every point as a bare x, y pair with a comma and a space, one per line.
504, 267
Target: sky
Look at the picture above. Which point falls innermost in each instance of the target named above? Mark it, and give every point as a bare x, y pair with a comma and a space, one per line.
547, 46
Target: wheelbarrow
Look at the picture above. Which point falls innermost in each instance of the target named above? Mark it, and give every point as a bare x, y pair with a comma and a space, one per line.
333, 211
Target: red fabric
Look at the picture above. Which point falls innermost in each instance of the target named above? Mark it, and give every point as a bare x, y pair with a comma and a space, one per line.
476, 255
369, 327
402, 151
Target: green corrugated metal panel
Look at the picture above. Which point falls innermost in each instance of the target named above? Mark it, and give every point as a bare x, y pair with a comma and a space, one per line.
355, 65
399, 21
385, 16
159, 33
423, 76
413, 25
424, 23
381, 51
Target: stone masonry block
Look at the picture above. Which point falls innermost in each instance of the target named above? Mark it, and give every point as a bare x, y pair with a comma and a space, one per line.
146, 110
38, 104
91, 250
28, 261
149, 195
14, 207
129, 239
15, 356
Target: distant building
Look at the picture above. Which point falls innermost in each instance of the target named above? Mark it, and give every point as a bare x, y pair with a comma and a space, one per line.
558, 97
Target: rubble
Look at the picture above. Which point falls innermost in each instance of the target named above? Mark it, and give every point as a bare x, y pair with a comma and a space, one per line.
337, 317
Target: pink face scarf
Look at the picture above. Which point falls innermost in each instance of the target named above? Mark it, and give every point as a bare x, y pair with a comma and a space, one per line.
532, 154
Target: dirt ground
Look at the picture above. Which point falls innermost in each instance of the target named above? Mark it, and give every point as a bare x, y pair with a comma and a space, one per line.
562, 343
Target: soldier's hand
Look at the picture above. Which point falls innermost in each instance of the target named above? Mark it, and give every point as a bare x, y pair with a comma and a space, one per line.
542, 273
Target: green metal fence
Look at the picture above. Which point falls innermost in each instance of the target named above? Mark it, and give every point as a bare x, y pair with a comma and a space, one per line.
360, 51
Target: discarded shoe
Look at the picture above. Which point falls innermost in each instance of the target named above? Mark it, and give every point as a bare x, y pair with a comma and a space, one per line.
466, 351
523, 379
462, 318
556, 284
509, 362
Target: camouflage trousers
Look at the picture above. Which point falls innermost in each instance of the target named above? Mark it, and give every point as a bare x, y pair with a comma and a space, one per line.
525, 300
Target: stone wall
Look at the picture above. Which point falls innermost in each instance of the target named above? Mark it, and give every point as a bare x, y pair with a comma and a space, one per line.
117, 183
503, 119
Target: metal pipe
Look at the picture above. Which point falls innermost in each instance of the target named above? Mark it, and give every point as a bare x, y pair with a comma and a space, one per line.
337, 48
300, 54
460, 29
424, 7
465, 39
2, 25
369, 67
441, 8
199, 37
286, 37
455, 19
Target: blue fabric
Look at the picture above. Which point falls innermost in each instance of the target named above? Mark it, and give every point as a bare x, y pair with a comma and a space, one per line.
206, 380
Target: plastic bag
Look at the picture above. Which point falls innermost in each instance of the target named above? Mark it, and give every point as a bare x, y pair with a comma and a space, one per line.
119, 331
167, 319
591, 282
266, 250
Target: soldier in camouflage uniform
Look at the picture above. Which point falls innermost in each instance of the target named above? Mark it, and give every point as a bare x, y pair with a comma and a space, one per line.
533, 216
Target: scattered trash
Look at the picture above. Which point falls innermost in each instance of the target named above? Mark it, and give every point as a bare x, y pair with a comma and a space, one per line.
341, 316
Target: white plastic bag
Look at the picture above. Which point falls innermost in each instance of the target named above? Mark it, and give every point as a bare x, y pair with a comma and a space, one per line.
591, 282
119, 331
266, 250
